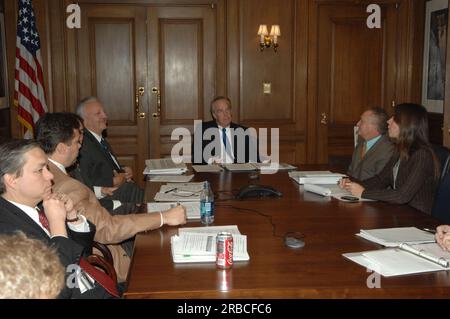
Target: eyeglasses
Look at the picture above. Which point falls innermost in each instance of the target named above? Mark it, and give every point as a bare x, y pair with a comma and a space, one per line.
227, 111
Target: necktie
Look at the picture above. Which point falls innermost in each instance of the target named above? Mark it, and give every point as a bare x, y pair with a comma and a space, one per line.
43, 219
363, 149
224, 137
224, 140
108, 151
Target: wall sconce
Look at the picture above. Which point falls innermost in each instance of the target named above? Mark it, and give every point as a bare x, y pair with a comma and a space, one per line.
267, 40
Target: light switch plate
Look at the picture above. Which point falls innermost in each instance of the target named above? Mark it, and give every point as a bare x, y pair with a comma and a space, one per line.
267, 88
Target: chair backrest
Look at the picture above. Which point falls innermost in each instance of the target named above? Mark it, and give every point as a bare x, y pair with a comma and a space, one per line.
441, 207
443, 154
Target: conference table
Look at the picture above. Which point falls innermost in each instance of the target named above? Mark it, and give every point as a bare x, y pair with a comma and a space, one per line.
318, 270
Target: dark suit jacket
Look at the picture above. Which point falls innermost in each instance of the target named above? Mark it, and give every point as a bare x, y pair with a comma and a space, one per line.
250, 144
96, 168
373, 161
415, 184
13, 219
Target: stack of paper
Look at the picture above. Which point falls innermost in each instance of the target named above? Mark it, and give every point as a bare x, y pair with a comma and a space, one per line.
393, 237
163, 166
180, 192
192, 208
210, 168
198, 244
316, 177
263, 167
413, 251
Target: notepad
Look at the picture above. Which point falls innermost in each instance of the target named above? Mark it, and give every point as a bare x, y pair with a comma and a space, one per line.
198, 244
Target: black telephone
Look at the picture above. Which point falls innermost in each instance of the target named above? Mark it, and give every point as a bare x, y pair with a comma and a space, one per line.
254, 190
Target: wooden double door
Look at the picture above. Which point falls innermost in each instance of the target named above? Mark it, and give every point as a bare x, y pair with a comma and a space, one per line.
153, 67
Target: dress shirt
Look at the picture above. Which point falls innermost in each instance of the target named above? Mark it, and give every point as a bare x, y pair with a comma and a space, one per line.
98, 189
372, 142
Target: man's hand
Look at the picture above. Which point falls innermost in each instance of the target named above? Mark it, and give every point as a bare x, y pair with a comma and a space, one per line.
128, 173
118, 179
443, 236
108, 191
55, 211
353, 188
175, 216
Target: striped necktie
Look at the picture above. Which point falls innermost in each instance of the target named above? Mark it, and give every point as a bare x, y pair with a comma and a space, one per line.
43, 219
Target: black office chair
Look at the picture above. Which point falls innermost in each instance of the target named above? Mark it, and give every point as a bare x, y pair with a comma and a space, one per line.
441, 207
443, 154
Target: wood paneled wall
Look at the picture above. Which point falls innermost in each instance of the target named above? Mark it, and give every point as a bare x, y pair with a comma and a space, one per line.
292, 72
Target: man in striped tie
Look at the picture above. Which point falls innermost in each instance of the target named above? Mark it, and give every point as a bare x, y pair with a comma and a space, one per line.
25, 181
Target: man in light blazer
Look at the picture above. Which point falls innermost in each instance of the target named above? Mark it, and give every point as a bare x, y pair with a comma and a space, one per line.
55, 132
374, 148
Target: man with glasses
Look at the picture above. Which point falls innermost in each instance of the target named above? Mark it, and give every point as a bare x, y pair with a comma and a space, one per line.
223, 141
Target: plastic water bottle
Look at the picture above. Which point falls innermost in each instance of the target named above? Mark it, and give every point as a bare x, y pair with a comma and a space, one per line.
207, 205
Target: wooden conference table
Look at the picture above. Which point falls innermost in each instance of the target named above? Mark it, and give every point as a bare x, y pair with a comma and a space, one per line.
317, 270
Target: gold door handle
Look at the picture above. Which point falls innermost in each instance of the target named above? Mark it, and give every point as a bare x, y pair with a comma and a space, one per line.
139, 93
157, 92
324, 119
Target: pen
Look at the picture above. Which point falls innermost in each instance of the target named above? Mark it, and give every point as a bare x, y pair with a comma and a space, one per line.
170, 190
428, 230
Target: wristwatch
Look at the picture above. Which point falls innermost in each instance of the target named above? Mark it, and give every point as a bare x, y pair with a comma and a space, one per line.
77, 218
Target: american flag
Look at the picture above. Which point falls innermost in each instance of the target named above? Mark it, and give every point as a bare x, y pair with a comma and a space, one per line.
29, 92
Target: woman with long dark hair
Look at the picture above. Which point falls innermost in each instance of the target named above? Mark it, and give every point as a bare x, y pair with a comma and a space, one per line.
412, 174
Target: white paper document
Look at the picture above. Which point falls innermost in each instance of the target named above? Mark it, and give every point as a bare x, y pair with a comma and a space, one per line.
400, 261
210, 168
393, 237
210, 230
240, 167
180, 192
164, 166
316, 177
201, 247
171, 178
192, 208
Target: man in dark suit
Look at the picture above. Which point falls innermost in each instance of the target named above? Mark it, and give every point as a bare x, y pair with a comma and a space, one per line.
374, 148
25, 181
221, 140
99, 168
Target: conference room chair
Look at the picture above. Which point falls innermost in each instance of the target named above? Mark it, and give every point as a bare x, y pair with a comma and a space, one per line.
441, 207
442, 154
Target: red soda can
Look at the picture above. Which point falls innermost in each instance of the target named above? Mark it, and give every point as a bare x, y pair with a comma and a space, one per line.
224, 250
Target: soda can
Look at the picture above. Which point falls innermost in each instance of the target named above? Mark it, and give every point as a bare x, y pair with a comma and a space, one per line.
224, 250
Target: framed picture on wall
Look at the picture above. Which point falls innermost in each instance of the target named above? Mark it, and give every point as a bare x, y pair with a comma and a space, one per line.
435, 47
4, 101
